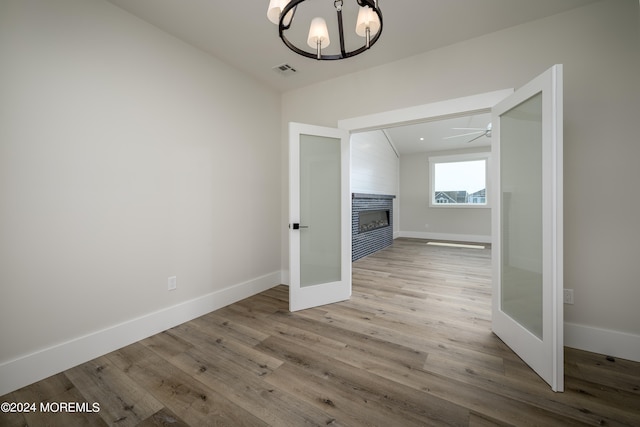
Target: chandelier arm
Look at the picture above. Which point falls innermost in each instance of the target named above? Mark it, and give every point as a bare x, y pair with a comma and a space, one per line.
373, 4
341, 32
293, 4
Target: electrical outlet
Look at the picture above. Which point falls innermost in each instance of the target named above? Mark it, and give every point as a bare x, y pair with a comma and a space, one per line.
567, 296
172, 283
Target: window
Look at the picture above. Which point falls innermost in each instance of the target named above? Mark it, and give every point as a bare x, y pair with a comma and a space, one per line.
459, 180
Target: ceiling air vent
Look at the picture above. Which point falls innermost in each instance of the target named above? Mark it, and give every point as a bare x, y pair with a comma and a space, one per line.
285, 70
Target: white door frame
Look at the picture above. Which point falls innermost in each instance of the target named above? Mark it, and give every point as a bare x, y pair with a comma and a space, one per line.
480, 103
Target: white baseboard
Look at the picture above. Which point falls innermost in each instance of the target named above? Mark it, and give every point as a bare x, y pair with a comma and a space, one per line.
39, 365
602, 341
446, 236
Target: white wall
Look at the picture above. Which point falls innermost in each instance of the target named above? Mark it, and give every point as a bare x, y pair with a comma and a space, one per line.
375, 168
126, 157
419, 220
599, 47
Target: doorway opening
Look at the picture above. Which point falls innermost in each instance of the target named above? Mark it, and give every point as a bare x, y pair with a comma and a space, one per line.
455, 125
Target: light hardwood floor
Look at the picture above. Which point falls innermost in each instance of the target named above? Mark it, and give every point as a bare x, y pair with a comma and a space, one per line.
413, 347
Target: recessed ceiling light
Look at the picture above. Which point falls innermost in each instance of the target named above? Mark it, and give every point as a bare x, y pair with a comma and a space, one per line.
421, 139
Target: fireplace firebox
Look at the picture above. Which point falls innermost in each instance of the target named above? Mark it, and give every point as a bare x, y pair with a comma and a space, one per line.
371, 220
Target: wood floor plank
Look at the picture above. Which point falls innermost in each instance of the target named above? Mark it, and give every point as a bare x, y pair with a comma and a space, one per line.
224, 347
246, 334
54, 390
163, 418
248, 389
122, 400
181, 393
168, 342
42, 391
361, 350
371, 398
533, 392
615, 372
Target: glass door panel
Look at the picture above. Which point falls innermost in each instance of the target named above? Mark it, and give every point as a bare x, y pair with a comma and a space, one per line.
521, 183
320, 210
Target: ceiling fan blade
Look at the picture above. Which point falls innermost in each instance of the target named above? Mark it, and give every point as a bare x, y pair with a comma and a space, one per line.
465, 134
479, 136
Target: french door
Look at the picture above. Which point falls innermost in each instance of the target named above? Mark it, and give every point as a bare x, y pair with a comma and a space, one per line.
527, 310
319, 216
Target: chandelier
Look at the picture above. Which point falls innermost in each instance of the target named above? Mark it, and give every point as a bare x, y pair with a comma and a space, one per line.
368, 25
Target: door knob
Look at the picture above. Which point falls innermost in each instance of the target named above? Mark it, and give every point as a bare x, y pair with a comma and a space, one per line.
297, 226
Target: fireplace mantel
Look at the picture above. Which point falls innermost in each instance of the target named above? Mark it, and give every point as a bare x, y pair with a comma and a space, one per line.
371, 196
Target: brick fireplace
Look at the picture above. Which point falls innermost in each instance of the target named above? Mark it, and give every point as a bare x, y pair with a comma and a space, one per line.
371, 223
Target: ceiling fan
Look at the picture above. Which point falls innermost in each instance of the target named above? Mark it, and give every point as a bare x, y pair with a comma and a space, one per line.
480, 132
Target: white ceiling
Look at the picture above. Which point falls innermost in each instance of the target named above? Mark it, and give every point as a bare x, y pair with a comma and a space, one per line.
430, 136
239, 33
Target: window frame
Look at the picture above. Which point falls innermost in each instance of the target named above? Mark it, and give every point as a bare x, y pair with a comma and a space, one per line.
457, 158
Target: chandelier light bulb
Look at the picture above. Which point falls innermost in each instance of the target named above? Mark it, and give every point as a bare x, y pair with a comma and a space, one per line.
318, 35
275, 9
367, 18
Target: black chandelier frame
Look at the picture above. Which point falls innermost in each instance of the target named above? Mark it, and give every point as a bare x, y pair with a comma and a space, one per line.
292, 6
